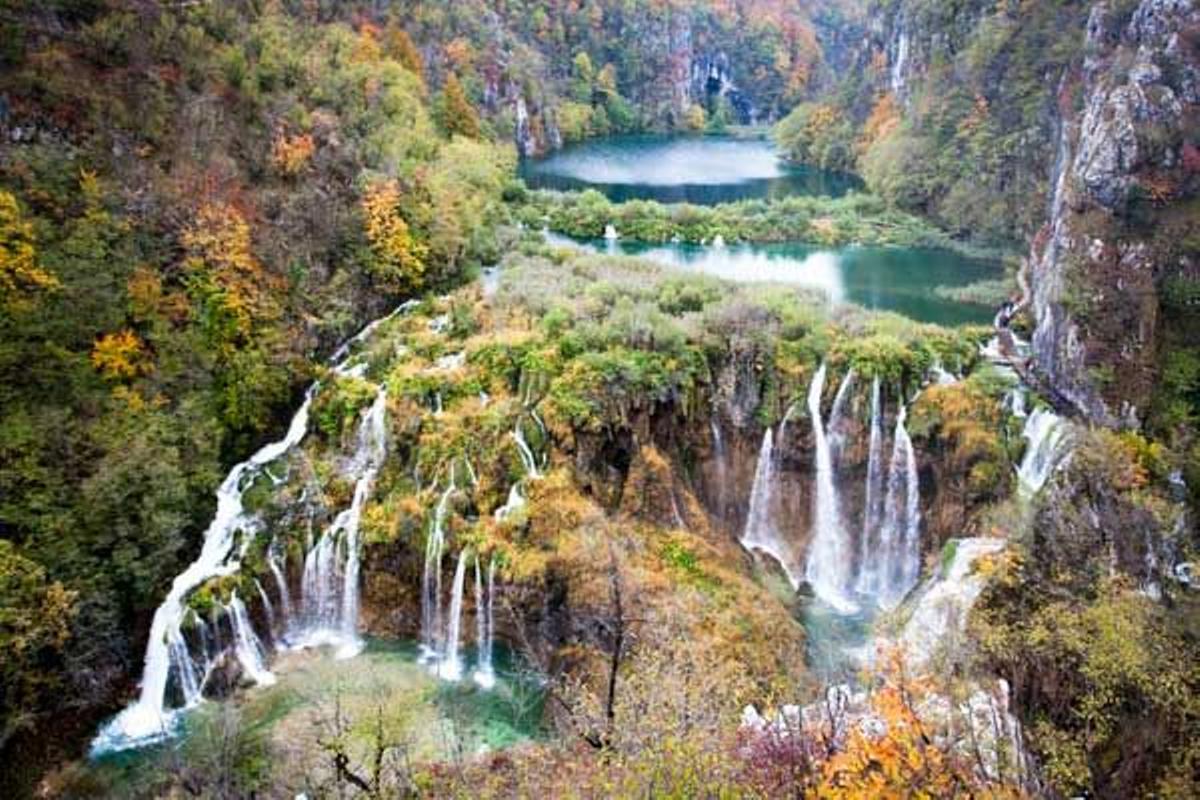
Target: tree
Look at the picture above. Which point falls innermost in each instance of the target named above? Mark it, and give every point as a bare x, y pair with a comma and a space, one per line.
459, 117
120, 356
399, 45
21, 278
398, 259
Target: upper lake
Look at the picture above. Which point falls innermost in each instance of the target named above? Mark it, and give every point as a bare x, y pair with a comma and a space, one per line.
703, 170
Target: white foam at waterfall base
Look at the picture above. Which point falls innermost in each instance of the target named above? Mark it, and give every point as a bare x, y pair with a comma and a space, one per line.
828, 566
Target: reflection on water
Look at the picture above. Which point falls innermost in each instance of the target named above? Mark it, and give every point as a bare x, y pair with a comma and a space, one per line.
700, 170
884, 278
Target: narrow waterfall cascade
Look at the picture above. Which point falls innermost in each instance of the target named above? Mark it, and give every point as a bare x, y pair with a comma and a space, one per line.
246, 646
873, 498
899, 554
1047, 435
431, 579
281, 585
838, 419
485, 674
527, 458
901, 524
722, 459
449, 667
760, 532
515, 501
272, 624
610, 233
828, 567
783, 427
330, 590
147, 719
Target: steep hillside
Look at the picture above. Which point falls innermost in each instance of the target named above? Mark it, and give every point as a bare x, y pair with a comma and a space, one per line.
196, 203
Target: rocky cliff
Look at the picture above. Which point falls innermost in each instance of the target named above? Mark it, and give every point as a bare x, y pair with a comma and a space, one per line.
1127, 161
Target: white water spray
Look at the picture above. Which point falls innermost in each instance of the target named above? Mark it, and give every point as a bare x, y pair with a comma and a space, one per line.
760, 532
1046, 434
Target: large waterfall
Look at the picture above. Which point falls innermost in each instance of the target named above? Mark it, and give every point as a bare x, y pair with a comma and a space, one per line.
431, 579
147, 718
873, 502
229, 534
828, 567
760, 532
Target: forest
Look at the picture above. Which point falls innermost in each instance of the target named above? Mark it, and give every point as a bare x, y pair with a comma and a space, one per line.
338, 458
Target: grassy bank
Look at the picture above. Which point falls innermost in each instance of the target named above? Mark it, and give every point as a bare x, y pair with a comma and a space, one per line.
854, 219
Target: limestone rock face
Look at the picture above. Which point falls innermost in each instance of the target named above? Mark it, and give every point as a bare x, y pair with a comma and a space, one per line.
1094, 274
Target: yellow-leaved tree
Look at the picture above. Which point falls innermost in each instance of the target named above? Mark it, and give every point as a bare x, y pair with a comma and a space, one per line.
120, 356
397, 259
21, 278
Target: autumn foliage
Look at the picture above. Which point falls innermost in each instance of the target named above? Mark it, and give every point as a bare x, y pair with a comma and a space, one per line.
397, 261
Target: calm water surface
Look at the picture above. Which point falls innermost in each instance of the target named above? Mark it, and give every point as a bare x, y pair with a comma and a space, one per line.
673, 169
882, 278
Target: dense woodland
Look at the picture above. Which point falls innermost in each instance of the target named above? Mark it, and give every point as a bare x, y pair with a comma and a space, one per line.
199, 201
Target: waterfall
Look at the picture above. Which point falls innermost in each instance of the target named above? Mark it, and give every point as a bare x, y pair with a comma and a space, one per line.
1046, 433
450, 665
828, 564
527, 459
431, 579
330, 589
485, 675
760, 532
837, 417
267, 607
246, 646
514, 502
873, 503
146, 719
285, 597
899, 555
610, 233
189, 684
722, 464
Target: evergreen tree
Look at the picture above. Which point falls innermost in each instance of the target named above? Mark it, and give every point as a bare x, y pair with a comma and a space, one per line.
458, 116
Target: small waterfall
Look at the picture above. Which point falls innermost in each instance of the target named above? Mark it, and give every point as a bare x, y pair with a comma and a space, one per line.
246, 645
189, 684
610, 233
450, 665
899, 557
1046, 433
431, 579
485, 675
285, 597
527, 459
514, 502
760, 532
837, 417
873, 503
721, 457
267, 607
828, 564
